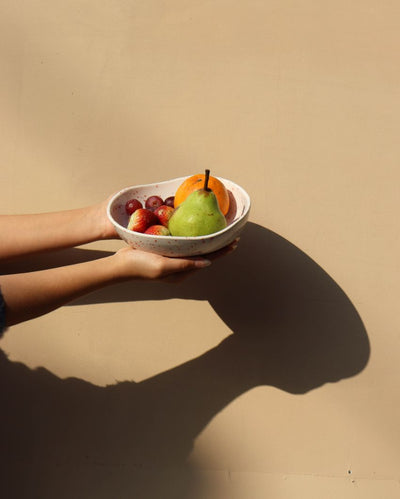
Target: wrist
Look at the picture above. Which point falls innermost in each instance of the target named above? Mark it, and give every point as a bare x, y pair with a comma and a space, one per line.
93, 223
118, 268
101, 225
100, 272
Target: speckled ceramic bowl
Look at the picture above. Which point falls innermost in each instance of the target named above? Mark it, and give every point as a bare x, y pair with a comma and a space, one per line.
178, 246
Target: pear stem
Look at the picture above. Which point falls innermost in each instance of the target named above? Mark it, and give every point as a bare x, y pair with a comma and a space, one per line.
206, 188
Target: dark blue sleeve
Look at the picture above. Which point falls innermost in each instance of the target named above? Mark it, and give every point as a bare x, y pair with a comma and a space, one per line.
2, 315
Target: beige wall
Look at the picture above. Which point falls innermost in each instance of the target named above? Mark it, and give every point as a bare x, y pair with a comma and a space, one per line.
275, 372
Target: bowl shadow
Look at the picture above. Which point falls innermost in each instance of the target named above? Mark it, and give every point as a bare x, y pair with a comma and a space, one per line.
292, 325
293, 328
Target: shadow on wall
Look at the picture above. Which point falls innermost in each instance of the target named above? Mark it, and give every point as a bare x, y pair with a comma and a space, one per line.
293, 329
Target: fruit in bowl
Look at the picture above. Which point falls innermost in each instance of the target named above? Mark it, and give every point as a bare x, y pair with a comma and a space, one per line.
178, 245
164, 214
199, 213
203, 181
141, 219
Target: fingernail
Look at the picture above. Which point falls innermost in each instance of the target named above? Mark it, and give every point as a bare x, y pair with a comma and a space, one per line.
234, 245
202, 263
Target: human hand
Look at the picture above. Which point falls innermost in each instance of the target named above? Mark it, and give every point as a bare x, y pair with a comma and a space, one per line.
139, 264
143, 265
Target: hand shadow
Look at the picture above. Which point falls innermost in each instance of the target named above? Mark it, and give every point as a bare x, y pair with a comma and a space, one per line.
293, 329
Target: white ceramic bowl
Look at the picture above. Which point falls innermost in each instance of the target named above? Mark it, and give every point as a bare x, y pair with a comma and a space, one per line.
178, 246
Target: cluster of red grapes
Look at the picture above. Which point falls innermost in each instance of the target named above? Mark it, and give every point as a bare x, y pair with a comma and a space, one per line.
153, 218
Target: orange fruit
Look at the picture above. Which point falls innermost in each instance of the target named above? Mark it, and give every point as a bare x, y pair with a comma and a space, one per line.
196, 182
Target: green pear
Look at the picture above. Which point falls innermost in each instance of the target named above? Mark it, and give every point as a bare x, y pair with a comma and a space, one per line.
198, 215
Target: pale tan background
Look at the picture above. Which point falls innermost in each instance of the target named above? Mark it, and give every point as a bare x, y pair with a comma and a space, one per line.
297, 101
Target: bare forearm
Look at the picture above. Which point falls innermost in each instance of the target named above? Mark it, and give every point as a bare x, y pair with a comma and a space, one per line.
34, 294
26, 234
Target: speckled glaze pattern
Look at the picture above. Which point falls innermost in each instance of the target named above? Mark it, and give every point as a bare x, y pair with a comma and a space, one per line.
237, 217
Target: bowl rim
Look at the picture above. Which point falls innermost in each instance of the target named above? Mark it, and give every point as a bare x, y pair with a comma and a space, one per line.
177, 238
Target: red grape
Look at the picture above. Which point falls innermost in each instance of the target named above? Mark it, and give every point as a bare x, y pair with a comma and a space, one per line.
169, 201
153, 202
132, 205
